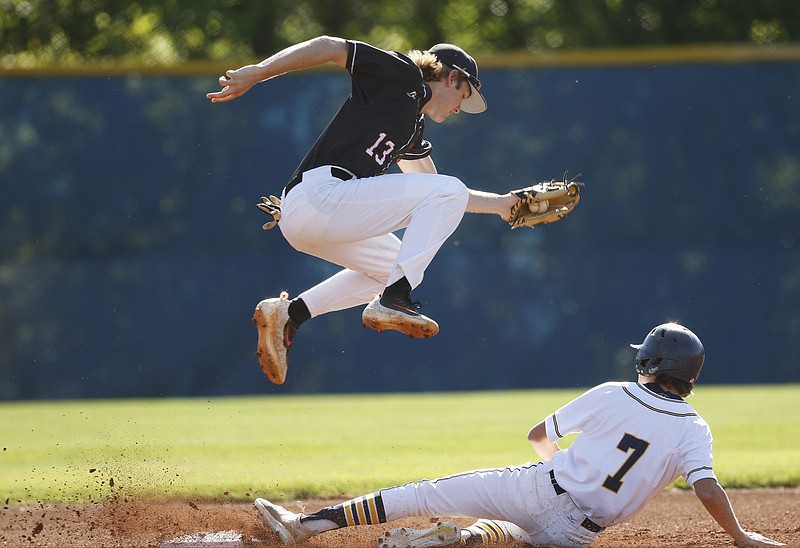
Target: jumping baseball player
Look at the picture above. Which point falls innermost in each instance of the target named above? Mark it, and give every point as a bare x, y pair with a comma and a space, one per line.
634, 438
343, 206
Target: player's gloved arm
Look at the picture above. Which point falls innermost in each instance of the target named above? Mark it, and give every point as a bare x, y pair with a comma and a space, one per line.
545, 202
310, 53
538, 440
716, 502
489, 202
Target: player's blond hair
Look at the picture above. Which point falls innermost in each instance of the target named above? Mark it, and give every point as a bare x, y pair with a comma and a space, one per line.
432, 69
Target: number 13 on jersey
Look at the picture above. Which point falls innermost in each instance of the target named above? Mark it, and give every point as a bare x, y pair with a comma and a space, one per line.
388, 148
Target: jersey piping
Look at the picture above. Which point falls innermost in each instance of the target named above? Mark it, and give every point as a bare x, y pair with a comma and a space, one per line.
351, 65
640, 402
656, 409
698, 470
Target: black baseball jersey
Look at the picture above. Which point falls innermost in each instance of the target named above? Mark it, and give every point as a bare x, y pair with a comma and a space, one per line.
379, 122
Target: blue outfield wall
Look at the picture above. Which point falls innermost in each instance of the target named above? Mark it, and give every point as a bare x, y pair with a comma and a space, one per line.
132, 255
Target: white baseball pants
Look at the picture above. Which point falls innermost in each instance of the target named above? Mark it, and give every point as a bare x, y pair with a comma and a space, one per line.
351, 224
522, 495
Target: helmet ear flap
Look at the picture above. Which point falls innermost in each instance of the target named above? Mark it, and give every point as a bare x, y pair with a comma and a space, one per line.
648, 366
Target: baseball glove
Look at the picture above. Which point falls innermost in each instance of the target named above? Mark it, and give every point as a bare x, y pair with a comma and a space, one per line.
545, 202
272, 207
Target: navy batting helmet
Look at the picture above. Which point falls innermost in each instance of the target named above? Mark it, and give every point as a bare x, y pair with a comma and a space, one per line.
671, 348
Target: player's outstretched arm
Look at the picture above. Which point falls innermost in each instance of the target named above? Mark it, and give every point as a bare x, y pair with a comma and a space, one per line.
716, 502
489, 202
310, 53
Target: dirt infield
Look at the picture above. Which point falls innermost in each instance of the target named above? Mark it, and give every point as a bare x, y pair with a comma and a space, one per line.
674, 519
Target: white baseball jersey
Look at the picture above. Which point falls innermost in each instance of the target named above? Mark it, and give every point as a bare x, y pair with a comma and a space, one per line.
634, 440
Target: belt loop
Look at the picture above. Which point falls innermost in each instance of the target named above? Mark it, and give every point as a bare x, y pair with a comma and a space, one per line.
556, 486
592, 526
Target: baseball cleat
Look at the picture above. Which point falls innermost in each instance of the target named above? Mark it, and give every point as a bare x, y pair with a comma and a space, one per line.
399, 314
441, 534
283, 522
276, 331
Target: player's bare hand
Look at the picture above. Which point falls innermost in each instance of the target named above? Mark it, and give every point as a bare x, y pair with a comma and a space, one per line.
756, 539
235, 83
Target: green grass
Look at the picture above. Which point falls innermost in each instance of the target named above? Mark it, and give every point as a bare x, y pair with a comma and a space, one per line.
756, 433
302, 446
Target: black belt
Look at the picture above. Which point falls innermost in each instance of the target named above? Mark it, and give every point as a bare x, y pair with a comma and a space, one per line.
586, 523
337, 172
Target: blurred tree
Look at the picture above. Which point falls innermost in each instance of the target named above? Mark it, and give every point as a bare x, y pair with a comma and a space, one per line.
157, 32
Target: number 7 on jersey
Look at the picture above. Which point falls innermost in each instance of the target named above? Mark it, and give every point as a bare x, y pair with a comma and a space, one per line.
628, 442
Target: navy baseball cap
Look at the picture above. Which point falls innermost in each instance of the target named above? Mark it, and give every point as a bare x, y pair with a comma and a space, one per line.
459, 59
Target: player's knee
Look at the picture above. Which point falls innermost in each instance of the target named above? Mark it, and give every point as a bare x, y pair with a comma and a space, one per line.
452, 188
